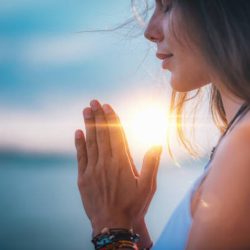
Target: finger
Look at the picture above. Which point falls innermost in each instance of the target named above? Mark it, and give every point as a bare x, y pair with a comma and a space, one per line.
91, 144
156, 168
124, 139
81, 151
102, 130
127, 149
117, 142
150, 167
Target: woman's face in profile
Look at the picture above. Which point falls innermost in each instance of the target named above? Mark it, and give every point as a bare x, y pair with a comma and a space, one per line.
187, 67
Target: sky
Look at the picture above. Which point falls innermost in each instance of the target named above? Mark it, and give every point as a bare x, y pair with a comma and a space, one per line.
50, 70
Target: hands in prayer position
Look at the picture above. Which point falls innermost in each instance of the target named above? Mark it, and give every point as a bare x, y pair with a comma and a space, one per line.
113, 193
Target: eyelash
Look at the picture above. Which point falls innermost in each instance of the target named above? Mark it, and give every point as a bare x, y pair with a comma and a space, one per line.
164, 6
167, 8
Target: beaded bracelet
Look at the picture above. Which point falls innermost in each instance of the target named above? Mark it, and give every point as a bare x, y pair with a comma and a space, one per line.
115, 238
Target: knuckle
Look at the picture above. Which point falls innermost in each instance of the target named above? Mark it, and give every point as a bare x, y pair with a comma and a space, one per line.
89, 124
84, 180
81, 183
91, 143
80, 158
101, 135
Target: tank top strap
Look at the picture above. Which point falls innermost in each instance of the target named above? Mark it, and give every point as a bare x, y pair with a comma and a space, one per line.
208, 163
244, 107
241, 110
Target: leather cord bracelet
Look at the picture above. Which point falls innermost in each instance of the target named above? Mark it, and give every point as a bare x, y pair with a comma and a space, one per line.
116, 238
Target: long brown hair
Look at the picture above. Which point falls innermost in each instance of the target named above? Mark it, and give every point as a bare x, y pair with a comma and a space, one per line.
221, 31
223, 28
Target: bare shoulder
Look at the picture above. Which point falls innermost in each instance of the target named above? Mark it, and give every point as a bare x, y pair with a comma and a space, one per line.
221, 219
234, 148
232, 157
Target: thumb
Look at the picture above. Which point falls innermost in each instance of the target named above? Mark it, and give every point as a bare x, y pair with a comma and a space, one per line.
150, 166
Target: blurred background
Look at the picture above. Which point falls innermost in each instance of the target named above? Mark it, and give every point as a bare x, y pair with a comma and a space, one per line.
49, 71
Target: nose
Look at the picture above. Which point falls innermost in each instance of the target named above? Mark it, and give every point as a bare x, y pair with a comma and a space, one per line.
148, 36
153, 30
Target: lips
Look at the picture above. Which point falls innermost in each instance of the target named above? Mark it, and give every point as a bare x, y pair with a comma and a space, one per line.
166, 59
163, 56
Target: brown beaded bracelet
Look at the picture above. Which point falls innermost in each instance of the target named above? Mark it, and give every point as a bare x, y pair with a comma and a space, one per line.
115, 238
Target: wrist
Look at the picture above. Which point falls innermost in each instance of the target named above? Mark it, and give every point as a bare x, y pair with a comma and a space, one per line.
114, 222
115, 238
140, 227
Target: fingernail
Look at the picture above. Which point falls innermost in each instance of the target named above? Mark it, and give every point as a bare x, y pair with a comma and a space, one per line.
107, 109
94, 105
78, 134
87, 113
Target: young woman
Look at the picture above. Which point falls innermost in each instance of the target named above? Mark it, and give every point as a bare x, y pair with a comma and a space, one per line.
201, 42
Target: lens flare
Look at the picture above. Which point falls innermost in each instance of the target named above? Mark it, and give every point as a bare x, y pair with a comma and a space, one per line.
148, 125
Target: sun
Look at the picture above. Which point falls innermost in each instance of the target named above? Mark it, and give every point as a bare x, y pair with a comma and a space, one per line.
147, 125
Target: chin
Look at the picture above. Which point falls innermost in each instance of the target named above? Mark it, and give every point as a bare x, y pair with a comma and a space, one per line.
184, 86
180, 87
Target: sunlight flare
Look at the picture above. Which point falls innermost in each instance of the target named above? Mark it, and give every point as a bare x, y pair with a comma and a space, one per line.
148, 125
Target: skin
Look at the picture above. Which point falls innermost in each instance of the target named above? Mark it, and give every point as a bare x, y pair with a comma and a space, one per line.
187, 67
221, 218
106, 172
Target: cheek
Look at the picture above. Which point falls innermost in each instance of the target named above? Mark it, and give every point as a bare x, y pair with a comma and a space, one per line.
187, 73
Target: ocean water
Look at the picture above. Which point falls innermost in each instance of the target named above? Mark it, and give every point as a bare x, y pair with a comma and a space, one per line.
40, 206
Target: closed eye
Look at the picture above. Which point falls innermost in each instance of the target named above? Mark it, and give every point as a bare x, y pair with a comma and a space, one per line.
166, 5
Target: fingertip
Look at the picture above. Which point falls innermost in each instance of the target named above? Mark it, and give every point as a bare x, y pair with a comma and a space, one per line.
156, 150
107, 109
159, 149
78, 134
94, 102
87, 113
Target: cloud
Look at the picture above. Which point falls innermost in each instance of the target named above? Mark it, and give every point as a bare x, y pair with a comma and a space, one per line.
48, 130
51, 128
50, 50
57, 50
